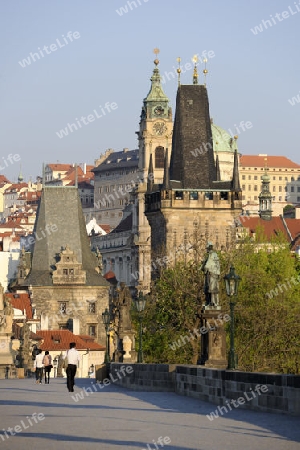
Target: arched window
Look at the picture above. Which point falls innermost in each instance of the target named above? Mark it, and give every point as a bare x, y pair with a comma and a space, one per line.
159, 157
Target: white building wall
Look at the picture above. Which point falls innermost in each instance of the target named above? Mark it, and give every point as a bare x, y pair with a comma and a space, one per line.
8, 267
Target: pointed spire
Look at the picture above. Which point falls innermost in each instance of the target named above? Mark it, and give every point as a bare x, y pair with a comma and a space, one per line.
265, 197
156, 92
179, 70
205, 71
235, 185
195, 74
218, 168
166, 181
20, 177
150, 175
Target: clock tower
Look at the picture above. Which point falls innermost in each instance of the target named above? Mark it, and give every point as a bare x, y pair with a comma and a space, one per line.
155, 133
154, 136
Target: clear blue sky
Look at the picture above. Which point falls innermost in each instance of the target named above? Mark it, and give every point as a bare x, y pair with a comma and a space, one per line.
251, 77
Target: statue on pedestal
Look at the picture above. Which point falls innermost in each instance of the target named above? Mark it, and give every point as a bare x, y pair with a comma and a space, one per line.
211, 269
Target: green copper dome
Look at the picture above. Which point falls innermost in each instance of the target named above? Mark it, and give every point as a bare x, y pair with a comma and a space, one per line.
222, 140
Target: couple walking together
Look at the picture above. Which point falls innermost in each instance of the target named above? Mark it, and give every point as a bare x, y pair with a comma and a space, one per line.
43, 363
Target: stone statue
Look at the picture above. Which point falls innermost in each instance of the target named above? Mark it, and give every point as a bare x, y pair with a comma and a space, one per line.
124, 304
211, 269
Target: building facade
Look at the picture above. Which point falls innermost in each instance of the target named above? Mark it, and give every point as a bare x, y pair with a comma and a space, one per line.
116, 173
284, 181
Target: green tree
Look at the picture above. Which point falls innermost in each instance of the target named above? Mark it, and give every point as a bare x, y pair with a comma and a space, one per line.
267, 313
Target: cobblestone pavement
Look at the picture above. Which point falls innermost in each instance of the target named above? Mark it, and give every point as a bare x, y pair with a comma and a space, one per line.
49, 417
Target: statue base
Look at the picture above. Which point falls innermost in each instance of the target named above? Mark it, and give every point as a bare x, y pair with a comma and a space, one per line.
213, 338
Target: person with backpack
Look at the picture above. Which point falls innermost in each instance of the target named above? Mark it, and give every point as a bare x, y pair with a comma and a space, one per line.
38, 365
47, 361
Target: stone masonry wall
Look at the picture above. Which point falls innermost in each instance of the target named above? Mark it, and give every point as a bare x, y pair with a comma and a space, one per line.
280, 393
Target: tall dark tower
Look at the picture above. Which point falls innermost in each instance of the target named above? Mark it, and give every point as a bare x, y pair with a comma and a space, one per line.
67, 290
195, 196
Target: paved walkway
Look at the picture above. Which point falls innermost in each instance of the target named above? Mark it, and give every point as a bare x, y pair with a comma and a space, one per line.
48, 417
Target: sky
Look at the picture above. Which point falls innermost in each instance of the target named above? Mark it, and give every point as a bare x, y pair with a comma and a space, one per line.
93, 53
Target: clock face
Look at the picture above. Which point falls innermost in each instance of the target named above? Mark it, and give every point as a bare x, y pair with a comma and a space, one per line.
159, 128
159, 110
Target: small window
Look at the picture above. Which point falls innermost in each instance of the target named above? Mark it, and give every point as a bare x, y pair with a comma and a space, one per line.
193, 195
178, 195
159, 157
63, 308
209, 195
92, 307
92, 330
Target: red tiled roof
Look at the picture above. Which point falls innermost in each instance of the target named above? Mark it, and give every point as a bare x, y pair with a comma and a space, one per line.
62, 167
4, 180
109, 275
16, 186
271, 227
21, 301
294, 227
61, 339
106, 228
11, 224
270, 161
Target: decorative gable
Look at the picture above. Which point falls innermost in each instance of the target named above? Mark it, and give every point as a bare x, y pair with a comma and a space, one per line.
68, 269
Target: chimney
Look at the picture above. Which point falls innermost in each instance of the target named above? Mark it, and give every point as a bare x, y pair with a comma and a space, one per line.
125, 150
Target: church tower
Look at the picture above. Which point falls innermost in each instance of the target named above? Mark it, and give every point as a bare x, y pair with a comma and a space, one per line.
265, 198
193, 198
155, 131
66, 288
154, 136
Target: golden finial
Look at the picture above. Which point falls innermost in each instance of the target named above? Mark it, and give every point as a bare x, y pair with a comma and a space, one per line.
205, 71
156, 52
235, 136
178, 70
195, 74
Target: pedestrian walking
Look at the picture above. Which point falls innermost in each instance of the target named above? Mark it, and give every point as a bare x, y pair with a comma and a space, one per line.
47, 361
73, 359
38, 365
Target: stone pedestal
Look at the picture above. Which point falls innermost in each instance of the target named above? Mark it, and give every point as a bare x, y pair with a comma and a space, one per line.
6, 354
213, 338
